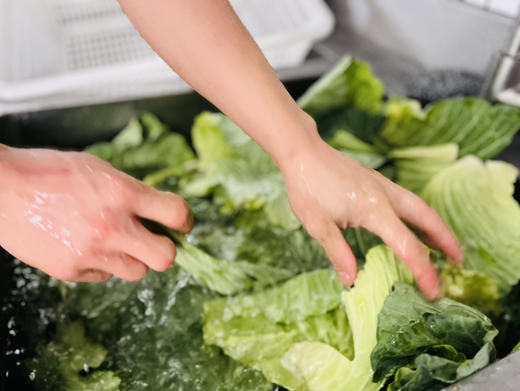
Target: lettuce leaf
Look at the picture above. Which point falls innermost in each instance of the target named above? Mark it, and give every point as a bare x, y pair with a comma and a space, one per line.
361, 241
363, 303
417, 165
471, 287
349, 83
343, 139
220, 276
144, 146
258, 329
365, 126
71, 362
476, 126
476, 201
429, 344
152, 330
298, 335
236, 171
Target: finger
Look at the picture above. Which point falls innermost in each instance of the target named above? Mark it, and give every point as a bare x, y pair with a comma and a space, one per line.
93, 275
122, 265
73, 274
337, 249
164, 207
413, 209
409, 250
155, 251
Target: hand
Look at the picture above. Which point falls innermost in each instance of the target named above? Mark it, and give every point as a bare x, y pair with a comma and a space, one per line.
76, 218
329, 191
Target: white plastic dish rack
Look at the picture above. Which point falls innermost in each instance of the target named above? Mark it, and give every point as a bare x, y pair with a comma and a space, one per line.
59, 53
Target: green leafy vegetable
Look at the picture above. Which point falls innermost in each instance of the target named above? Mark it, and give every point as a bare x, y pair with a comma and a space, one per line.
429, 344
246, 328
365, 126
153, 329
476, 201
292, 322
218, 275
63, 360
471, 287
322, 365
257, 330
417, 165
144, 146
343, 139
360, 241
476, 126
236, 171
349, 83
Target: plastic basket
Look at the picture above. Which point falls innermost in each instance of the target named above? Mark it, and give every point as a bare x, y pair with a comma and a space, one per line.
58, 53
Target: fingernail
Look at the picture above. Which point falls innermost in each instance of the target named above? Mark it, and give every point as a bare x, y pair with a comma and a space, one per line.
345, 278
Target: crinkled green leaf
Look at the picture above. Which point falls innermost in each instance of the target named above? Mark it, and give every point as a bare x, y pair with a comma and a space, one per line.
63, 360
279, 213
476, 126
238, 173
417, 165
365, 126
349, 83
323, 367
258, 329
360, 241
265, 244
153, 332
220, 276
441, 342
476, 201
343, 139
471, 287
318, 367
144, 146
267, 253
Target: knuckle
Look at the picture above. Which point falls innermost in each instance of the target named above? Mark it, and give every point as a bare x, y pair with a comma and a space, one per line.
93, 275
102, 228
67, 274
416, 250
103, 277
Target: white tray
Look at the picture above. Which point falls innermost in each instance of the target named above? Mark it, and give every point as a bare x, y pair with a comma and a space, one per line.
58, 53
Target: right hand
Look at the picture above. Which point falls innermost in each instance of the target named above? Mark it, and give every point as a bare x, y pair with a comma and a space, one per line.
329, 192
76, 217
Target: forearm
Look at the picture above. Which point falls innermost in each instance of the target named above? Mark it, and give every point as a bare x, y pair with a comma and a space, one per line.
207, 45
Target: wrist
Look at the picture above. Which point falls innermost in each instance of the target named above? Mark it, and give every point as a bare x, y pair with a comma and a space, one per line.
299, 141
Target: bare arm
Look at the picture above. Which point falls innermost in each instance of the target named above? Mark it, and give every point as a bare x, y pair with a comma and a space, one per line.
207, 45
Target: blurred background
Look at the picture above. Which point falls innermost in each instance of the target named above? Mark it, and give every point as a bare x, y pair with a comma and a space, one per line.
63, 53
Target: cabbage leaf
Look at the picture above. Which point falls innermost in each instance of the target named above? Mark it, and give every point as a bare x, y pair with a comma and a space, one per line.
476, 200
429, 344
478, 127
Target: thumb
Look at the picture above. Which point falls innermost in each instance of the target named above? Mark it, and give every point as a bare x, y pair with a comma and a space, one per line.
338, 251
